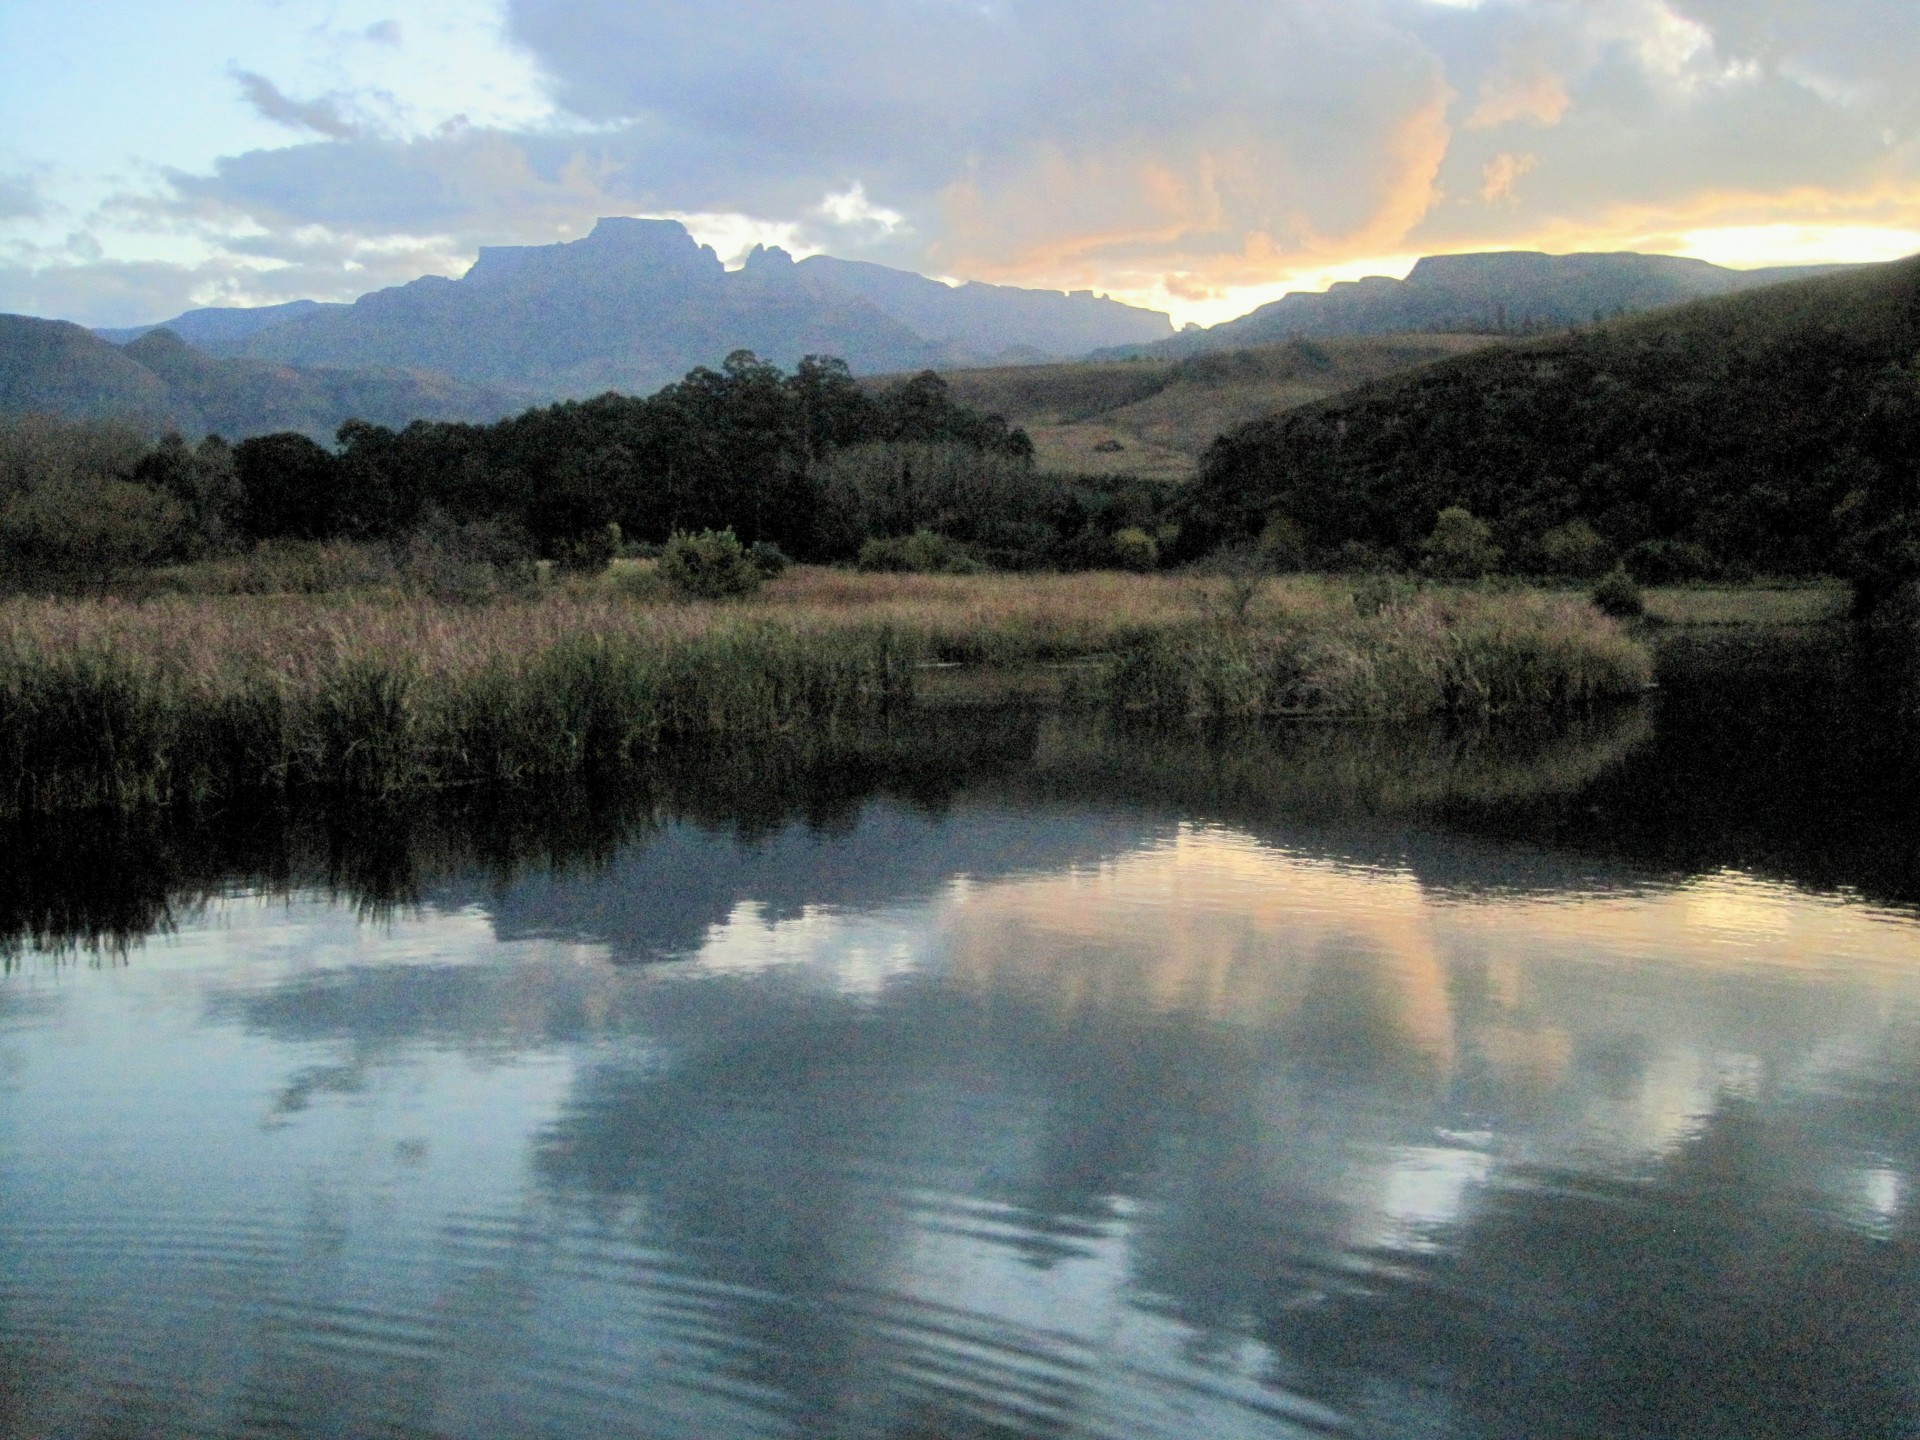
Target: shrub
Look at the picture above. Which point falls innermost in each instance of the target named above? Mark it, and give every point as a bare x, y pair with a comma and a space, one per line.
1575, 549
1461, 546
1283, 545
1618, 595
921, 553
712, 565
768, 558
634, 579
1135, 549
592, 549
87, 531
1667, 562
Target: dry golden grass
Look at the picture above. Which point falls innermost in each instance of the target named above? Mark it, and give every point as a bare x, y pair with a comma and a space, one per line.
117, 701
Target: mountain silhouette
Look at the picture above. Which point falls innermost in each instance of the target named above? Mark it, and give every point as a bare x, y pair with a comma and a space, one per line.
159, 382
638, 303
1511, 292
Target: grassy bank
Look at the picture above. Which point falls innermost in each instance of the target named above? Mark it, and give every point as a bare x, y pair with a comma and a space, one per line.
1810, 602
108, 702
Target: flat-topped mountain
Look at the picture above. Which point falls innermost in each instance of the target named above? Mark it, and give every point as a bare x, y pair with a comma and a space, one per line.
1513, 292
638, 303
160, 382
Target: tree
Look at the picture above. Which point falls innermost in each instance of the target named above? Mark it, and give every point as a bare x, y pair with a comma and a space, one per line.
1461, 547
288, 487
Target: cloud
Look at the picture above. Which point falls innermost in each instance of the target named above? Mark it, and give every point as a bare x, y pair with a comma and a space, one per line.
1523, 88
322, 116
20, 198
1129, 145
1503, 172
382, 32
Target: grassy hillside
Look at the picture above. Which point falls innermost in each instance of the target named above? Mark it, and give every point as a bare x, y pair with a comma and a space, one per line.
1775, 429
1154, 418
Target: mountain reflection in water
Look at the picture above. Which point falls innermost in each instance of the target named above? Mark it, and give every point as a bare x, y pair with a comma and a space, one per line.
1029, 1080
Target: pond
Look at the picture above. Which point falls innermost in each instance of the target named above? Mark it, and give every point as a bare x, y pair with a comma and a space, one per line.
1005, 1076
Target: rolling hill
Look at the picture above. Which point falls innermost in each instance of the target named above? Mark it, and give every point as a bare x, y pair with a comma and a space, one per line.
1776, 429
159, 382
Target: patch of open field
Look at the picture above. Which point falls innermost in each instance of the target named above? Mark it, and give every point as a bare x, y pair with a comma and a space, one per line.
1154, 418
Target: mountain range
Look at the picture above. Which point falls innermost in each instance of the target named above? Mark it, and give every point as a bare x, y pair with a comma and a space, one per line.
159, 382
637, 303
1508, 292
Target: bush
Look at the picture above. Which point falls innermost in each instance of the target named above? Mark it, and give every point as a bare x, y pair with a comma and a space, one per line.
712, 565
592, 549
1618, 595
634, 579
921, 553
768, 558
1461, 546
1135, 549
1283, 545
1667, 562
1575, 549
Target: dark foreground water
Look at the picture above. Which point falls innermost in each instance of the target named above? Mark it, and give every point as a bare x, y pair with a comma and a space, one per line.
1007, 1077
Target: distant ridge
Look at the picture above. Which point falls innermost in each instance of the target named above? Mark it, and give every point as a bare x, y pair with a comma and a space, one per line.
159, 382
1510, 292
216, 327
637, 303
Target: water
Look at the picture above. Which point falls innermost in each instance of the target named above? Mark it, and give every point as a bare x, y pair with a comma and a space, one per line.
1012, 1078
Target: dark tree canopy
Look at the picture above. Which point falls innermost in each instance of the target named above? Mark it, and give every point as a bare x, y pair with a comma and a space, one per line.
1777, 430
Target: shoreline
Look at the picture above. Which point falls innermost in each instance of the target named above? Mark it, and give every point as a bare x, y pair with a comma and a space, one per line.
127, 703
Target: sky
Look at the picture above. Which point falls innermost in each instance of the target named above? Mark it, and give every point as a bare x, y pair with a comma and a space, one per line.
1197, 156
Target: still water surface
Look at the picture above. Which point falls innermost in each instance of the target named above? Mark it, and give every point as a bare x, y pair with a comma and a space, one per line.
1062, 1084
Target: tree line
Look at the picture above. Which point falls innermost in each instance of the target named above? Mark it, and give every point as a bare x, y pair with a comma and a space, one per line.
1776, 432
810, 462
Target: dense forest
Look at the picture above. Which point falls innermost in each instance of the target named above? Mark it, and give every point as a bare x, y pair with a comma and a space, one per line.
810, 462
1775, 431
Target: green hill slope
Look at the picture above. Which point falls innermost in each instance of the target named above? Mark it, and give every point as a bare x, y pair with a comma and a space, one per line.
1777, 429
1155, 418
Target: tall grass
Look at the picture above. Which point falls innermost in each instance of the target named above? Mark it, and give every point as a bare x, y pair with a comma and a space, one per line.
118, 703
1428, 652
114, 704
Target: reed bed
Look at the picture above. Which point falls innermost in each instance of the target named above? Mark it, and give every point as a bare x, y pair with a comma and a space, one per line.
1428, 652
117, 703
